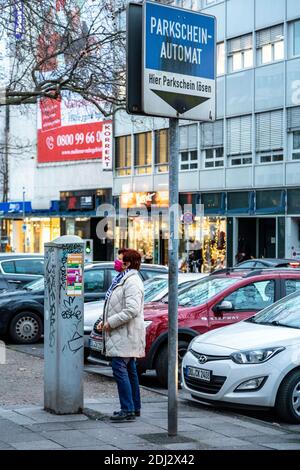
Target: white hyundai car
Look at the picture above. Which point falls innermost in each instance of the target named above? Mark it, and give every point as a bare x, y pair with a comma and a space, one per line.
252, 363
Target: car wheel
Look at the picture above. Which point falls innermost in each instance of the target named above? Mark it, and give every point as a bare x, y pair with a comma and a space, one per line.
161, 365
288, 398
26, 328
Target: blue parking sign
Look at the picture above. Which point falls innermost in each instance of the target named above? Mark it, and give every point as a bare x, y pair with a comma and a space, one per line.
179, 63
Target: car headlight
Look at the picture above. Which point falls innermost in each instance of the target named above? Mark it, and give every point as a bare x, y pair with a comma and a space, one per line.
147, 323
255, 356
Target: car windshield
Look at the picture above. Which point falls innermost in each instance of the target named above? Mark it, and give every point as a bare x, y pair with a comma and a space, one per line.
153, 287
286, 313
204, 291
35, 285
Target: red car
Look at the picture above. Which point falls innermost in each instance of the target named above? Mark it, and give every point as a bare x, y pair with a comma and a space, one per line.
213, 302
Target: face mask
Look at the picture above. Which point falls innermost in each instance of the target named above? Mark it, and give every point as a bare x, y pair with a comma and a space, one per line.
118, 266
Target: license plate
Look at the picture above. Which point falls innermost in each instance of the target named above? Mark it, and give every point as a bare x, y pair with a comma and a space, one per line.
201, 374
96, 345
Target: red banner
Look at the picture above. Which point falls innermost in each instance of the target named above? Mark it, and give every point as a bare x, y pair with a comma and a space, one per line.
76, 142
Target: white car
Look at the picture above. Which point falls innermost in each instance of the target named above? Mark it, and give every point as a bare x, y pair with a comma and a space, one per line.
255, 362
155, 289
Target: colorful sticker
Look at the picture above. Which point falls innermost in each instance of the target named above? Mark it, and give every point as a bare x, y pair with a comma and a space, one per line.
74, 274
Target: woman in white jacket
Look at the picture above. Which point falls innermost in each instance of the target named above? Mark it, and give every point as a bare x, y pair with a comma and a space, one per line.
124, 331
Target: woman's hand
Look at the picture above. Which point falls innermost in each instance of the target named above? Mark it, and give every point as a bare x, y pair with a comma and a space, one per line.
100, 326
106, 327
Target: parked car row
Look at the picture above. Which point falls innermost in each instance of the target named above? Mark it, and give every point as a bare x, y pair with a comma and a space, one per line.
232, 356
22, 309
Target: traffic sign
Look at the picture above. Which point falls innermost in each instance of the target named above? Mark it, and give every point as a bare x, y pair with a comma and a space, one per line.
179, 63
188, 218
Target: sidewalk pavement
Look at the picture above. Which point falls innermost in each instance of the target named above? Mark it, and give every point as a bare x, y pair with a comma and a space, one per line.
31, 428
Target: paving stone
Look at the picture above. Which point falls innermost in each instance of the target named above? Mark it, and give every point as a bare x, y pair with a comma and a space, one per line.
41, 416
40, 427
16, 417
100, 447
284, 446
72, 438
36, 445
113, 436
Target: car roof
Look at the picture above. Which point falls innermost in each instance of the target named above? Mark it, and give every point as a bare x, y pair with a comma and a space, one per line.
255, 272
144, 266
273, 261
6, 256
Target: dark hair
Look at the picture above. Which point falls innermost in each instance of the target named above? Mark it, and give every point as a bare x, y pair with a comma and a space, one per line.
133, 257
121, 251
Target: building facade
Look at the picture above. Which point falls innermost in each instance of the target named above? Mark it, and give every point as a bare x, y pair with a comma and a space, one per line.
244, 168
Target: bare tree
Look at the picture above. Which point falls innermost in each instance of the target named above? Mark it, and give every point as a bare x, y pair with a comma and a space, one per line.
56, 45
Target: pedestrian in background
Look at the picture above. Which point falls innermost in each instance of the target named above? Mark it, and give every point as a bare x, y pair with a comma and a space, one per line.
124, 332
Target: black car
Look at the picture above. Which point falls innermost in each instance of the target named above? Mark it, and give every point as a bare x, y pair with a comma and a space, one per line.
18, 269
22, 310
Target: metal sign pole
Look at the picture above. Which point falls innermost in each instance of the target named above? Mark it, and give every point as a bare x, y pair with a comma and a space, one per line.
173, 278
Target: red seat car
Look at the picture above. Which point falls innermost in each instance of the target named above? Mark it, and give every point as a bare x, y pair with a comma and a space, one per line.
215, 301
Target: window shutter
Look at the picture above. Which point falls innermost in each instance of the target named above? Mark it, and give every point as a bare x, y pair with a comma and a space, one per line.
212, 134
188, 137
241, 43
293, 119
269, 131
239, 132
269, 35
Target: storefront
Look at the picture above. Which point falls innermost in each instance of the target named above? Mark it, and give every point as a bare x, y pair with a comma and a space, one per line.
202, 246
80, 213
26, 230
143, 225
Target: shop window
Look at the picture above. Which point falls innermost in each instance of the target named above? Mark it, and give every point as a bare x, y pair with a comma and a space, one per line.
270, 201
255, 296
214, 157
296, 146
214, 243
239, 202
30, 266
240, 53
270, 44
123, 157
189, 160
293, 201
221, 59
143, 153
94, 280
8, 267
162, 150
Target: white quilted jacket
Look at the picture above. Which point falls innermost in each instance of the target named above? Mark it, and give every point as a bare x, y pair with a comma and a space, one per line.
124, 311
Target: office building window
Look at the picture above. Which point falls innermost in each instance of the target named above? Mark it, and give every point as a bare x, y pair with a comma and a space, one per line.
296, 145
188, 147
189, 160
221, 58
270, 44
269, 136
296, 38
240, 53
214, 157
162, 150
143, 153
212, 144
239, 134
123, 155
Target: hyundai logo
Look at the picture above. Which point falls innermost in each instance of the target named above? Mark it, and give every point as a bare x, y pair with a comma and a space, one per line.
202, 359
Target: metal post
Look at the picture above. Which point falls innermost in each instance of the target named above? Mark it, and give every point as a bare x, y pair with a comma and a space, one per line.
63, 318
173, 278
24, 231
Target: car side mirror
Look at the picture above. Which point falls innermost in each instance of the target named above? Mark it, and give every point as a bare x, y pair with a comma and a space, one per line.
224, 306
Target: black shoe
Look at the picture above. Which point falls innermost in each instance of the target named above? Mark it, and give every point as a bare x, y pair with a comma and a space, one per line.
121, 416
136, 413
